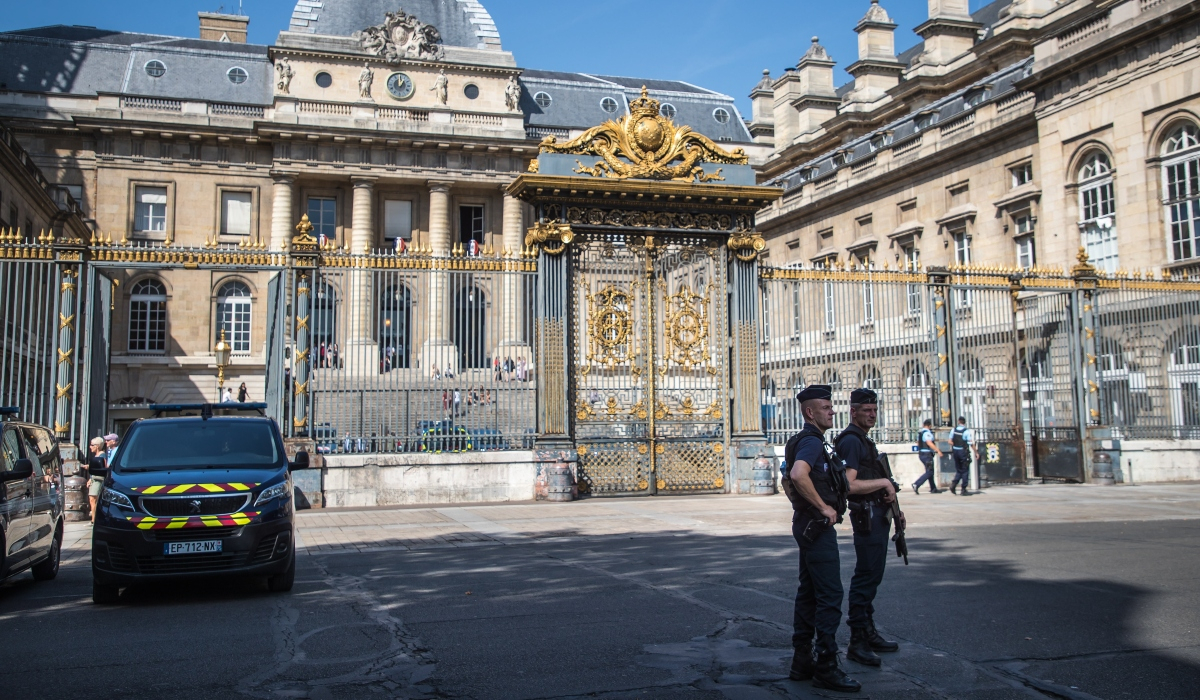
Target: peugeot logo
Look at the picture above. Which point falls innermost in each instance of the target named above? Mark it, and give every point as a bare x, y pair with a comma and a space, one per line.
195, 506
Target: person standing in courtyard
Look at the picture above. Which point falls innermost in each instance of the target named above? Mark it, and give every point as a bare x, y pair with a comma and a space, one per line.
814, 480
97, 468
871, 493
962, 440
926, 447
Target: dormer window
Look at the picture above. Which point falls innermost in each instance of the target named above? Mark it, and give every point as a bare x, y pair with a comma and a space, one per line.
975, 97
925, 120
880, 141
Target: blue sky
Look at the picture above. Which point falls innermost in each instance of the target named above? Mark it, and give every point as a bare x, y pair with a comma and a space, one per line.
721, 45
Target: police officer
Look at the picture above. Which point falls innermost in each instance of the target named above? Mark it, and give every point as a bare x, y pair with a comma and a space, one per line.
870, 493
814, 480
926, 446
963, 442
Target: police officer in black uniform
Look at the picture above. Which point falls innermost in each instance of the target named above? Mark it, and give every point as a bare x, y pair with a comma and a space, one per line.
871, 493
814, 479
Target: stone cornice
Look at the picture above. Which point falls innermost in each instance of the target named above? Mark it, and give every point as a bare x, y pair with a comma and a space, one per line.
945, 26
875, 66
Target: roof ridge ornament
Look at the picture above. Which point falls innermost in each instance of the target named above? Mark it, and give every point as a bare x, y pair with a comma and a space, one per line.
401, 36
646, 145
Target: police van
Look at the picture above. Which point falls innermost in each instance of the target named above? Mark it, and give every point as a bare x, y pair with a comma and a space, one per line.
197, 490
31, 498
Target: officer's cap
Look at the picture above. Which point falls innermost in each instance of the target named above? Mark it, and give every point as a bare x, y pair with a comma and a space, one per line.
866, 396
815, 391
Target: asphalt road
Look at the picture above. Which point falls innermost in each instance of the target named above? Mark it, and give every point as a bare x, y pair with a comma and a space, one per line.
1094, 610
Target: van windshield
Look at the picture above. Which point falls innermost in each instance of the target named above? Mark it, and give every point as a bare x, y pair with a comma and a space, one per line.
199, 444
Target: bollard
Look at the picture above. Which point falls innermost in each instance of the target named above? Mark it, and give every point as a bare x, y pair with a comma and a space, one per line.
558, 482
1102, 469
75, 497
764, 479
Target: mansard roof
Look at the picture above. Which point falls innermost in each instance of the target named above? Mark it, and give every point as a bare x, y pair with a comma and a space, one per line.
460, 22
576, 103
86, 60
994, 86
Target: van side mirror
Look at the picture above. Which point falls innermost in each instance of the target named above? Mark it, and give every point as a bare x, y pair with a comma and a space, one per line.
22, 469
301, 461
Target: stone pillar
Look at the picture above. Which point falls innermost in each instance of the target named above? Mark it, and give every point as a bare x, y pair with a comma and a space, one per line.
281, 211
747, 441
361, 352
512, 342
439, 350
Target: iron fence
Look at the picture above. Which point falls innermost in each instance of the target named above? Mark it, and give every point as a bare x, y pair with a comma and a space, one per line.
411, 353
29, 297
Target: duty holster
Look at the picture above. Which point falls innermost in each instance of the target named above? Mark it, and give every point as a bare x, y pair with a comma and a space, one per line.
860, 517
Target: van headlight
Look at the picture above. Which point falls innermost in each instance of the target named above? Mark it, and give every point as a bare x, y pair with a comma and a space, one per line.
116, 498
271, 493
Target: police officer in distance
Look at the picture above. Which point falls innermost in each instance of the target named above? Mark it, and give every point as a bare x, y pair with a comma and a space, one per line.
814, 480
962, 439
871, 492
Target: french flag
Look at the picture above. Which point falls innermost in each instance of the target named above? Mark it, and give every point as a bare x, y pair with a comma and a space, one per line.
401, 246
473, 247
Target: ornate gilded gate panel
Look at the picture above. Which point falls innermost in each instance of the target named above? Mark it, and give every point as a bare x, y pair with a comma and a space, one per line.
650, 378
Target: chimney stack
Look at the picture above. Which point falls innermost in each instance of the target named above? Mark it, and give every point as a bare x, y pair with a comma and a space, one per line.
228, 28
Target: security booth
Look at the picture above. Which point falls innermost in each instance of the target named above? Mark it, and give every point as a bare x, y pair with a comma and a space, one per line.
647, 315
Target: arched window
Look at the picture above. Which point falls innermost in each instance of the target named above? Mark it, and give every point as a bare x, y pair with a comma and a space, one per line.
1184, 379
233, 316
324, 320
1098, 211
470, 322
147, 317
970, 370
1181, 185
869, 378
396, 327
917, 398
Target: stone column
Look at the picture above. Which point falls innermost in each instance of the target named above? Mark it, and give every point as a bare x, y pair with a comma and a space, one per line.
361, 351
512, 342
439, 349
281, 211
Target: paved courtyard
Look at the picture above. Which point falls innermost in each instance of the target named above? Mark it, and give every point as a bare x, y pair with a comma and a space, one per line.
1019, 592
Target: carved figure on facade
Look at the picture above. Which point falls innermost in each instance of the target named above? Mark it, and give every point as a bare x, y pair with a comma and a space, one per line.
512, 94
283, 69
647, 145
441, 87
365, 78
401, 36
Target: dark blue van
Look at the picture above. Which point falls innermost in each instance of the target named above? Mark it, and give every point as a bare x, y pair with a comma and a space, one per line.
197, 494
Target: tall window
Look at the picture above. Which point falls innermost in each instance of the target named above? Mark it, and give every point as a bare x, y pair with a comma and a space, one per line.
1097, 208
797, 311
150, 209
1021, 174
912, 261
470, 223
868, 300
1181, 184
766, 315
1025, 252
962, 256
397, 220
235, 213
233, 315
830, 311
147, 317
322, 213
324, 316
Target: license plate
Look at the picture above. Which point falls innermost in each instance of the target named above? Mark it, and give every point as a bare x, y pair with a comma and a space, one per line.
192, 547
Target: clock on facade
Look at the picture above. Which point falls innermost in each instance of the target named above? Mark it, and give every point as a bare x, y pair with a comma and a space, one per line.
400, 86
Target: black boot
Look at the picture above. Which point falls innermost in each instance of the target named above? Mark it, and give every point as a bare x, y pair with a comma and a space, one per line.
877, 642
802, 664
859, 650
952, 487
827, 674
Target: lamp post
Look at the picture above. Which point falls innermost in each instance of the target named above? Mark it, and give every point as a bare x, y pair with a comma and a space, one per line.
221, 351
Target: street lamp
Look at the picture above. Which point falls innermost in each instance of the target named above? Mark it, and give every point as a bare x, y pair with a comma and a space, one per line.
221, 351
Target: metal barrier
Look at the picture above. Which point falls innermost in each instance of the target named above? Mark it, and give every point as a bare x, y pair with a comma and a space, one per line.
414, 353
1028, 357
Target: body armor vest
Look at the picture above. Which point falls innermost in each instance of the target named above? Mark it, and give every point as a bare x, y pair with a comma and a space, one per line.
831, 483
958, 437
869, 467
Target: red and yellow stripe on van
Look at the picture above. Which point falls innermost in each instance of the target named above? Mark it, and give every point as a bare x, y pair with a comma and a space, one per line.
231, 520
177, 489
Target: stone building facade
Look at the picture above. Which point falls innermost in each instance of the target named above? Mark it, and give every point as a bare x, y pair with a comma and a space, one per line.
392, 126
1009, 137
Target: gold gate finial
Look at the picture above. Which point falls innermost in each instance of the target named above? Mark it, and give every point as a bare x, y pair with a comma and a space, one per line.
303, 240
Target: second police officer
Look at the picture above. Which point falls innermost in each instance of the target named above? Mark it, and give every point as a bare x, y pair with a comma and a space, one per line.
814, 480
871, 493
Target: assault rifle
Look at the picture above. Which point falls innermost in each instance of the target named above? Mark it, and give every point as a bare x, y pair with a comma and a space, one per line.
897, 516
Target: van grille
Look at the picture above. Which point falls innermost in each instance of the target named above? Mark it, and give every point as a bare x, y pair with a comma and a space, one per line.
190, 563
194, 533
182, 506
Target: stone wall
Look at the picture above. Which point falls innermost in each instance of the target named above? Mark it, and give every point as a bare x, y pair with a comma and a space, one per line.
421, 478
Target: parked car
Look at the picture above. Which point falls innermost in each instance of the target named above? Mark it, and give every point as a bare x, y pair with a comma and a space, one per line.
31, 498
196, 495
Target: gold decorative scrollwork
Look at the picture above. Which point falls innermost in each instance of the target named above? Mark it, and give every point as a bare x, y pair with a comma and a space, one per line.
687, 328
639, 410
746, 245
554, 238
610, 326
647, 145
